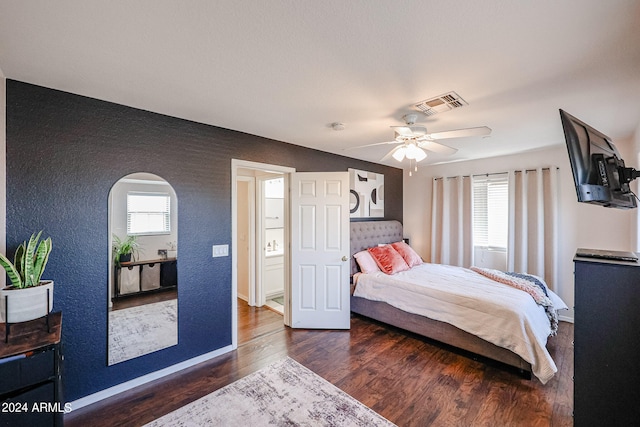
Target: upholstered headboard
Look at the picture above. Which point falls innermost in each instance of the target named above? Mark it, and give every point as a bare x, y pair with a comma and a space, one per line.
366, 234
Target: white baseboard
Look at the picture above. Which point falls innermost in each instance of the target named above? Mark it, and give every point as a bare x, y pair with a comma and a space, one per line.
112, 391
566, 319
275, 294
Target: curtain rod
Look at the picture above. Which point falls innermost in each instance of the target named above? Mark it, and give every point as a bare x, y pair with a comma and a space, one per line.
544, 169
494, 173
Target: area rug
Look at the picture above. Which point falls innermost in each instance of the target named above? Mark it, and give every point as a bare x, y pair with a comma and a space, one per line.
140, 330
284, 393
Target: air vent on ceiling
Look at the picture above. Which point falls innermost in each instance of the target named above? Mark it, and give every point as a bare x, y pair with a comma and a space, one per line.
441, 103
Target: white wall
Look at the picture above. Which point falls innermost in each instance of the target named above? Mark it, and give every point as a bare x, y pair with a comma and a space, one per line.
580, 224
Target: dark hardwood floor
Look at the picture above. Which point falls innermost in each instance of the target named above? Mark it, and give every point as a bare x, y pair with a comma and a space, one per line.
141, 299
407, 379
254, 322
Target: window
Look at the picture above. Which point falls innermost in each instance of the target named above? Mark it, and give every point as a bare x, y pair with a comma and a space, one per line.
148, 213
491, 211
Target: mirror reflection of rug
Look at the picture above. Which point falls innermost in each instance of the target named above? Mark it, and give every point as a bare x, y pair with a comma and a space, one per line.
140, 330
283, 393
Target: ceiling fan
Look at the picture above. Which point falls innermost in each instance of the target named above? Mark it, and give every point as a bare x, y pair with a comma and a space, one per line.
414, 140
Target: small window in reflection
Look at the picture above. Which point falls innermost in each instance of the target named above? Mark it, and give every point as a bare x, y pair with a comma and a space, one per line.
148, 213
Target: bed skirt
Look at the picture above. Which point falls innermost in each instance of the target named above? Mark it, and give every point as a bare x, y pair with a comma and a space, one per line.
439, 331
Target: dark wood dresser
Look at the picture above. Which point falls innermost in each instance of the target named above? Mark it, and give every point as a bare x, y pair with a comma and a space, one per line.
31, 374
606, 343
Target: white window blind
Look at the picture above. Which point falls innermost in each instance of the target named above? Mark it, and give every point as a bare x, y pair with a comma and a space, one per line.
148, 213
491, 211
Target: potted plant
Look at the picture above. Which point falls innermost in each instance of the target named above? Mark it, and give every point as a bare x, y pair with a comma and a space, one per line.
125, 250
26, 298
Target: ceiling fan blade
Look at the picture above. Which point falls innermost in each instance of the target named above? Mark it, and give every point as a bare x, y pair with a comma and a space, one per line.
403, 130
437, 147
370, 145
461, 133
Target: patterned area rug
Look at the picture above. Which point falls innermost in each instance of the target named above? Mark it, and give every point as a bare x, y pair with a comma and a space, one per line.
141, 330
284, 393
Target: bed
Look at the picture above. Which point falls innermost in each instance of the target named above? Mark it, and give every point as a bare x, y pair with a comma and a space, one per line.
522, 345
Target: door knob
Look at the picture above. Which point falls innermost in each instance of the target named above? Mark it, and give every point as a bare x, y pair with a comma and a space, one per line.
345, 258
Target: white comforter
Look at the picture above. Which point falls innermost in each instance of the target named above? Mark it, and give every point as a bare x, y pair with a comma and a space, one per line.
498, 313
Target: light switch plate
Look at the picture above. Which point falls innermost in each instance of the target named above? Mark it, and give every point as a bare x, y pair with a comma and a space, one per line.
220, 250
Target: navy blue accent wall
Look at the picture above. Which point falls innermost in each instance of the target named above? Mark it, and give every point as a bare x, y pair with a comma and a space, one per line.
65, 151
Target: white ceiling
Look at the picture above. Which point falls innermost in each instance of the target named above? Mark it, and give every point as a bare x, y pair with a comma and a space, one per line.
287, 69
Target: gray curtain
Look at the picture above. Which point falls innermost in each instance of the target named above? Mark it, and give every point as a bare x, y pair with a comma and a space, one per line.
451, 221
533, 223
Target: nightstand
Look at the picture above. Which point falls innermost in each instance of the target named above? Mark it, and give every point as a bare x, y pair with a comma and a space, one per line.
31, 374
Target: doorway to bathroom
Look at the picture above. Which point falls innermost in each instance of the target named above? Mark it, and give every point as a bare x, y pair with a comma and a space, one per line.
260, 248
270, 203
316, 219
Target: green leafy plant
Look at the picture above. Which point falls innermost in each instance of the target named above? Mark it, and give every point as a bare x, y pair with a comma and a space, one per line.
124, 247
29, 262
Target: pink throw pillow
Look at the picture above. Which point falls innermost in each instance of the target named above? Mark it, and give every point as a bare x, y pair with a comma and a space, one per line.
408, 254
388, 259
366, 262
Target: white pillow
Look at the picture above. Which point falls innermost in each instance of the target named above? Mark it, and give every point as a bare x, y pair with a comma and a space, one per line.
558, 304
366, 262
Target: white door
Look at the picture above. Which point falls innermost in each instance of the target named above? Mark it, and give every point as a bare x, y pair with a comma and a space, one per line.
320, 250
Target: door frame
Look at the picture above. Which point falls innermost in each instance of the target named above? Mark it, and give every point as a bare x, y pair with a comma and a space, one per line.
245, 164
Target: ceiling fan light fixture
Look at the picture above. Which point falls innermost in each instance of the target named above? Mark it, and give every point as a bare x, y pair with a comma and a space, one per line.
414, 152
413, 142
420, 155
399, 153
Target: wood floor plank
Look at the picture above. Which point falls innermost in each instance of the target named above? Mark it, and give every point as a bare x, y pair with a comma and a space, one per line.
256, 321
410, 380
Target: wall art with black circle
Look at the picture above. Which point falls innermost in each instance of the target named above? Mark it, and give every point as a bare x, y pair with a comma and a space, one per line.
367, 194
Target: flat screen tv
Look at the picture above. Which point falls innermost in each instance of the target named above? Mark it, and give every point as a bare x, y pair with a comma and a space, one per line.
598, 170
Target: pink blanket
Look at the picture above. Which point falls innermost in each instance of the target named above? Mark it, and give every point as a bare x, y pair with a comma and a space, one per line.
524, 284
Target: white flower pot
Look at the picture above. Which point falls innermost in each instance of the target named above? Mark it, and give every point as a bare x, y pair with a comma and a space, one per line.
27, 303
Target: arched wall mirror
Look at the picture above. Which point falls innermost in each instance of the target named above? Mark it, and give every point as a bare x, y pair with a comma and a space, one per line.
143, 267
